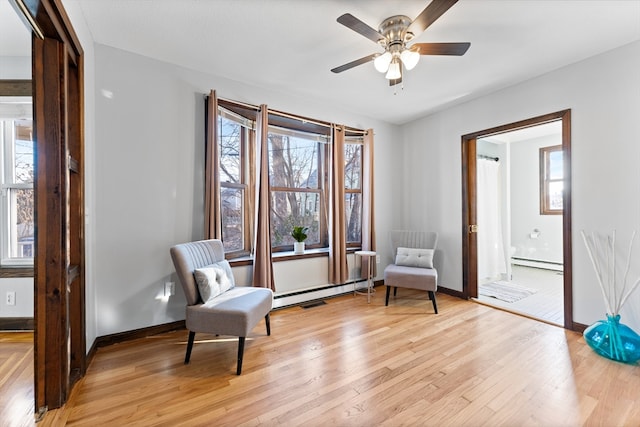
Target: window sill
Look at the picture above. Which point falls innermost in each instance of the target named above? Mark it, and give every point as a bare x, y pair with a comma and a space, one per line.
287, 256
10, 271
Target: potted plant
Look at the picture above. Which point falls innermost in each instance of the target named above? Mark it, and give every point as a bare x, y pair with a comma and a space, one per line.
299, 234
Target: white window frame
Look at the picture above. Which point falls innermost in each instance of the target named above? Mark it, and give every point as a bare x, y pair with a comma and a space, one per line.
355, 141
321, 142
11, 109
246, 126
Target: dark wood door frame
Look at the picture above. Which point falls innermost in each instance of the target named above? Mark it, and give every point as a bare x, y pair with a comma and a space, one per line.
59, 278
469, 203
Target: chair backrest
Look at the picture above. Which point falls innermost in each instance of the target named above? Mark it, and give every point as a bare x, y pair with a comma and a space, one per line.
189, 256
413, 239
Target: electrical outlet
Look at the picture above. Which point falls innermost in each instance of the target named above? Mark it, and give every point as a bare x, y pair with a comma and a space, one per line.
377, 259
11, 298
169, 289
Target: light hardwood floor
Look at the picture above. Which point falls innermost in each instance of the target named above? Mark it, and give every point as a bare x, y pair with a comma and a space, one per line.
352, 363
16, 379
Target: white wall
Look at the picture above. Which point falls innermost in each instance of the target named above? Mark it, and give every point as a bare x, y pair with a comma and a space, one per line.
604, 95
148, 181
23, 287
15, 67
525, 204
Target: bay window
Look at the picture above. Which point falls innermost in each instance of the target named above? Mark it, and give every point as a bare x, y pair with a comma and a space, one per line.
254, 155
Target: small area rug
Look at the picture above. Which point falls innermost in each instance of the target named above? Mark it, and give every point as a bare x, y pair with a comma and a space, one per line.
505, 291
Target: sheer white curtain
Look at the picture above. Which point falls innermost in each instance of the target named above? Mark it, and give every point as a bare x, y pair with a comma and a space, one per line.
491, 257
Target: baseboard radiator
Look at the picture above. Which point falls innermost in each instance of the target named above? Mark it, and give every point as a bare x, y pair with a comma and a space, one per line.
312, 294
536, 263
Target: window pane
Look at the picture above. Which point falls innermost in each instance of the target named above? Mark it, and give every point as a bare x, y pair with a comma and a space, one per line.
555, 165
23, 154
290, 208
21, 217
555, 195
551, 180
353, 208
293, 162
230, 139
232, 219
353, 166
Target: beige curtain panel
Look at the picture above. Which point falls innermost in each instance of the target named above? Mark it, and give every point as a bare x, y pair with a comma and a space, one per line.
212, 208
262, 265
338, 269
368, 220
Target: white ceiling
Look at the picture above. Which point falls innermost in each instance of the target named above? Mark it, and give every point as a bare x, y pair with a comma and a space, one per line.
15, 39
290, 45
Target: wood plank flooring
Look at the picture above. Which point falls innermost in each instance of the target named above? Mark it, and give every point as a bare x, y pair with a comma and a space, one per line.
16, 379
349, 363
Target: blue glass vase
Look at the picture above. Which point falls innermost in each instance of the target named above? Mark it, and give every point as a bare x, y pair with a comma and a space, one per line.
613, 340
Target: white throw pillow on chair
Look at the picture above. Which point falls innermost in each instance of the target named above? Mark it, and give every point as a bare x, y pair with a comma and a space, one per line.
413, 257
214, 279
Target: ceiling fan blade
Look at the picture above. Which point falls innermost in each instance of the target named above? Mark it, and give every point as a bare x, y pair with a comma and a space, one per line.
456, 49
355, 63
429, 15
350, 21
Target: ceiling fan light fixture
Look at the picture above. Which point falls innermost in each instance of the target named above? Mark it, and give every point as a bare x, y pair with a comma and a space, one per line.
394, 70
382, 62
409, 58
393, 35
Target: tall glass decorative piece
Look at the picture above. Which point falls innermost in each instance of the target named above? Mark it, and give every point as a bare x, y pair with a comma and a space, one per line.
610, 338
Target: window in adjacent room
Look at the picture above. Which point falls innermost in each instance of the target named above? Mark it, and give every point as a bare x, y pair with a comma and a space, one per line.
297, 178
17, 214
551, 180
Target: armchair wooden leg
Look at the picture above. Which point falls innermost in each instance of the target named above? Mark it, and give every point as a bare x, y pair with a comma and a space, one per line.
192, 336
386, 301
267, 320
395, 291
240, 354
432, 297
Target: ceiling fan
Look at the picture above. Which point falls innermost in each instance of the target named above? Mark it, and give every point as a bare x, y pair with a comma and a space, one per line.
393, 35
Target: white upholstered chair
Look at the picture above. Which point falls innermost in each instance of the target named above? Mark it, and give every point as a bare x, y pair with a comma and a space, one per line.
234, 311
413, 263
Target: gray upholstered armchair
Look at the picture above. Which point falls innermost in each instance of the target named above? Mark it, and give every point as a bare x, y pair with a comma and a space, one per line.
214, 304
413, 266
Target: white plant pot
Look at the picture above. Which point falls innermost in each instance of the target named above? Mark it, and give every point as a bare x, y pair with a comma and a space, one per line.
298, 247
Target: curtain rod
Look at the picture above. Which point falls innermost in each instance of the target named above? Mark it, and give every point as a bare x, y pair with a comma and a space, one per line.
242, 104
291, 116
482, 156
302, 119
353, 130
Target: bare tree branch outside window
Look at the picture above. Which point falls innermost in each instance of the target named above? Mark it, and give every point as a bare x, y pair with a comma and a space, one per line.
296, 191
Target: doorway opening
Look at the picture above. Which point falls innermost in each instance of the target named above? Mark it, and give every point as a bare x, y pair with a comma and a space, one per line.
516, 207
